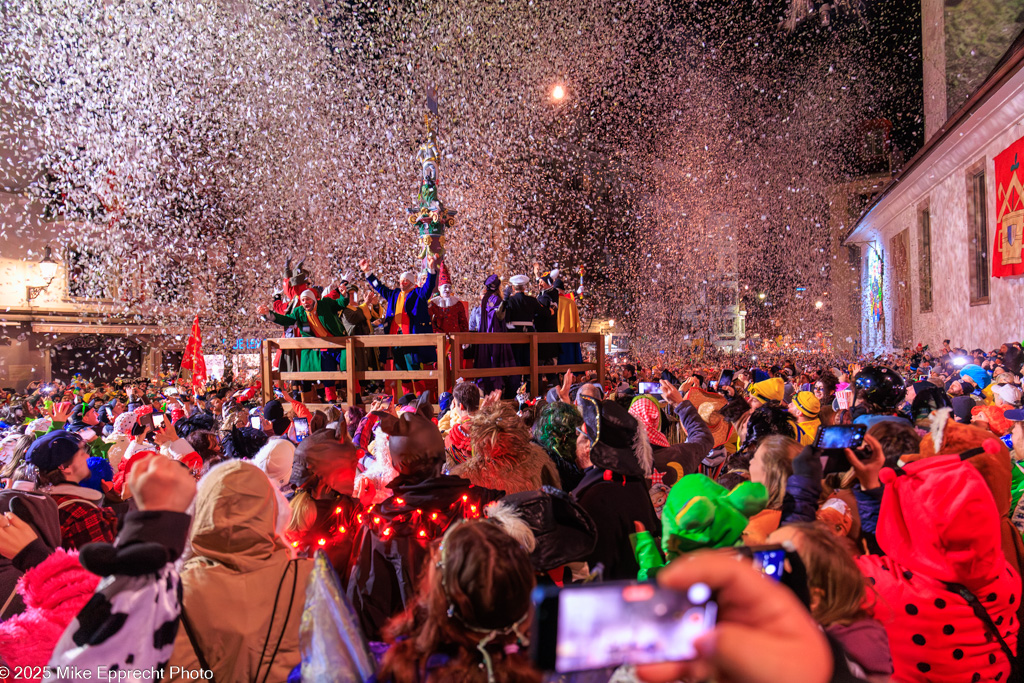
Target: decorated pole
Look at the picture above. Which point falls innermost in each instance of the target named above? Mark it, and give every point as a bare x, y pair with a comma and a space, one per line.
430, 216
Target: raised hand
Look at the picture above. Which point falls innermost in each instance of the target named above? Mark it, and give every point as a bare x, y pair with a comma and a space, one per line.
364, 265
262, 310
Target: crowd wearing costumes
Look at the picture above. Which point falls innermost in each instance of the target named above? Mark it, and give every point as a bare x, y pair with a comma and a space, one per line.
396, 544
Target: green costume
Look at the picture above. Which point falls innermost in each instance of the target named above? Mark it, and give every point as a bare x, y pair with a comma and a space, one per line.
699, 513
327, 311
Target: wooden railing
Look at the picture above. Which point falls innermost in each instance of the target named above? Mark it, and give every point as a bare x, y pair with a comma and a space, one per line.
449, 358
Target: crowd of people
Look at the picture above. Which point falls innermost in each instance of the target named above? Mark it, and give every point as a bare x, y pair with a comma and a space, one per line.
149, 525
423, 302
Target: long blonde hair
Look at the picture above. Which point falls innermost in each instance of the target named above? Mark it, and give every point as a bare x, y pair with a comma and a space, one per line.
777, 453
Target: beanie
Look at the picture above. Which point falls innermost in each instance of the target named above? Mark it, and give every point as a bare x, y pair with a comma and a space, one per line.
808, 404
773, 389
52, 450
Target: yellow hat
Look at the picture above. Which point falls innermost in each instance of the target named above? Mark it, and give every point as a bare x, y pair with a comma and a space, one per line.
808, 404
773, 389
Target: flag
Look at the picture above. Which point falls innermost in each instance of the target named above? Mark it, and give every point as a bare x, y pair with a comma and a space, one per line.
1007, 259
193, 359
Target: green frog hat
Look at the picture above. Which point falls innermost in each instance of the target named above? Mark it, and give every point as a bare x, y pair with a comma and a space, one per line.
699, 513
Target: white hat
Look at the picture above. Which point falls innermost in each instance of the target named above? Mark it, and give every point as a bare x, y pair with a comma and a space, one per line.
308, 294
519, 280
1010, 393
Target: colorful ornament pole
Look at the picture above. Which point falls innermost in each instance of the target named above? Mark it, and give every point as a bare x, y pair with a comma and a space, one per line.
430, 216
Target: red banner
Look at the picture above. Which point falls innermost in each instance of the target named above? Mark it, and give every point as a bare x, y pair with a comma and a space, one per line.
1006, 248
193, 359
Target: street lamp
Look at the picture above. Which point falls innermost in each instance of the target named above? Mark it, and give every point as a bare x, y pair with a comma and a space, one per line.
48, 267
762, 296
819, 304
558, 93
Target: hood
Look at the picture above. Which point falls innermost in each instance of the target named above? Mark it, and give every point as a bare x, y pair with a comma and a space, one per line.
620, 442
38, 509
237, 516
939, 518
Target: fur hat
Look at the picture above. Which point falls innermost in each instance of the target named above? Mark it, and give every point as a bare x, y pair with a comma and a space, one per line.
503, 456
415, 442
619, 440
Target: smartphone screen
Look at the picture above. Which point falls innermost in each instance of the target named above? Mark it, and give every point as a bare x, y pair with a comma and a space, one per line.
158, 420
255, 422
770, 560
146, 420
726, 378
840, 436
650, 388
593, 626
301, 428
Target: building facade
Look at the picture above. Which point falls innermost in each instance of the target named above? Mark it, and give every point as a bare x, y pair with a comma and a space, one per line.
928, 241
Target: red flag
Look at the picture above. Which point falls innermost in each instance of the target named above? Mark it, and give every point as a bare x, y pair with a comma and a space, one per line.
193, 359
1007, 260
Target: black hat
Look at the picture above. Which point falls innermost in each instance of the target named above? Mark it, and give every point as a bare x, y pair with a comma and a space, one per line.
880, 385
618, 441
962, 406
766, 421
273, 411
563, 530
243, 442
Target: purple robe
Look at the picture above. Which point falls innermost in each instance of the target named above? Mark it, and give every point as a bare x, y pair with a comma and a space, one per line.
492, 355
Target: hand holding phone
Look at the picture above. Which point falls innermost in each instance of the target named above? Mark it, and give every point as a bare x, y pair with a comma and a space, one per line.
256, 422
593, 626
301, 428
770, 635
650, 388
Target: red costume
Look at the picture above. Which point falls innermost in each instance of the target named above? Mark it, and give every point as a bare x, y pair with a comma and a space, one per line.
939, 524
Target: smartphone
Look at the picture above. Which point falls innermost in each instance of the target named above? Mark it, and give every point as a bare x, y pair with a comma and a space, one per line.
650, 388
255, 422
599, 625
726, 378
713, 385
770, 560
840, 436
159, 420
301, 428
146, 420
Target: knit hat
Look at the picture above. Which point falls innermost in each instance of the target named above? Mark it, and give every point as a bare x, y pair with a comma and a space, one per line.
273, 411
808, 403
759, 375
52, 450
772, 389
962, 406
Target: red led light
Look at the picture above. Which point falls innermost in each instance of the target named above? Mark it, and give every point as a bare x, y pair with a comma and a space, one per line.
322, 542
387, 532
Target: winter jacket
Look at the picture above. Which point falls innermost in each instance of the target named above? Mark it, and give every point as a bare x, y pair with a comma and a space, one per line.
615, 501
40, 511
83, 520
241, 583
939, 524
393, 541
131, 618
687, 455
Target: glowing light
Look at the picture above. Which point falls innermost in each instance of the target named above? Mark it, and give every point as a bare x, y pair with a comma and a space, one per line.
295, 544
337, 511
387, 532
433, 516
423, 533
342, 530
762, 296
472, 508
399, 501
322, 542
558, 92
819, 304
376, 520
611, 323
465, 498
